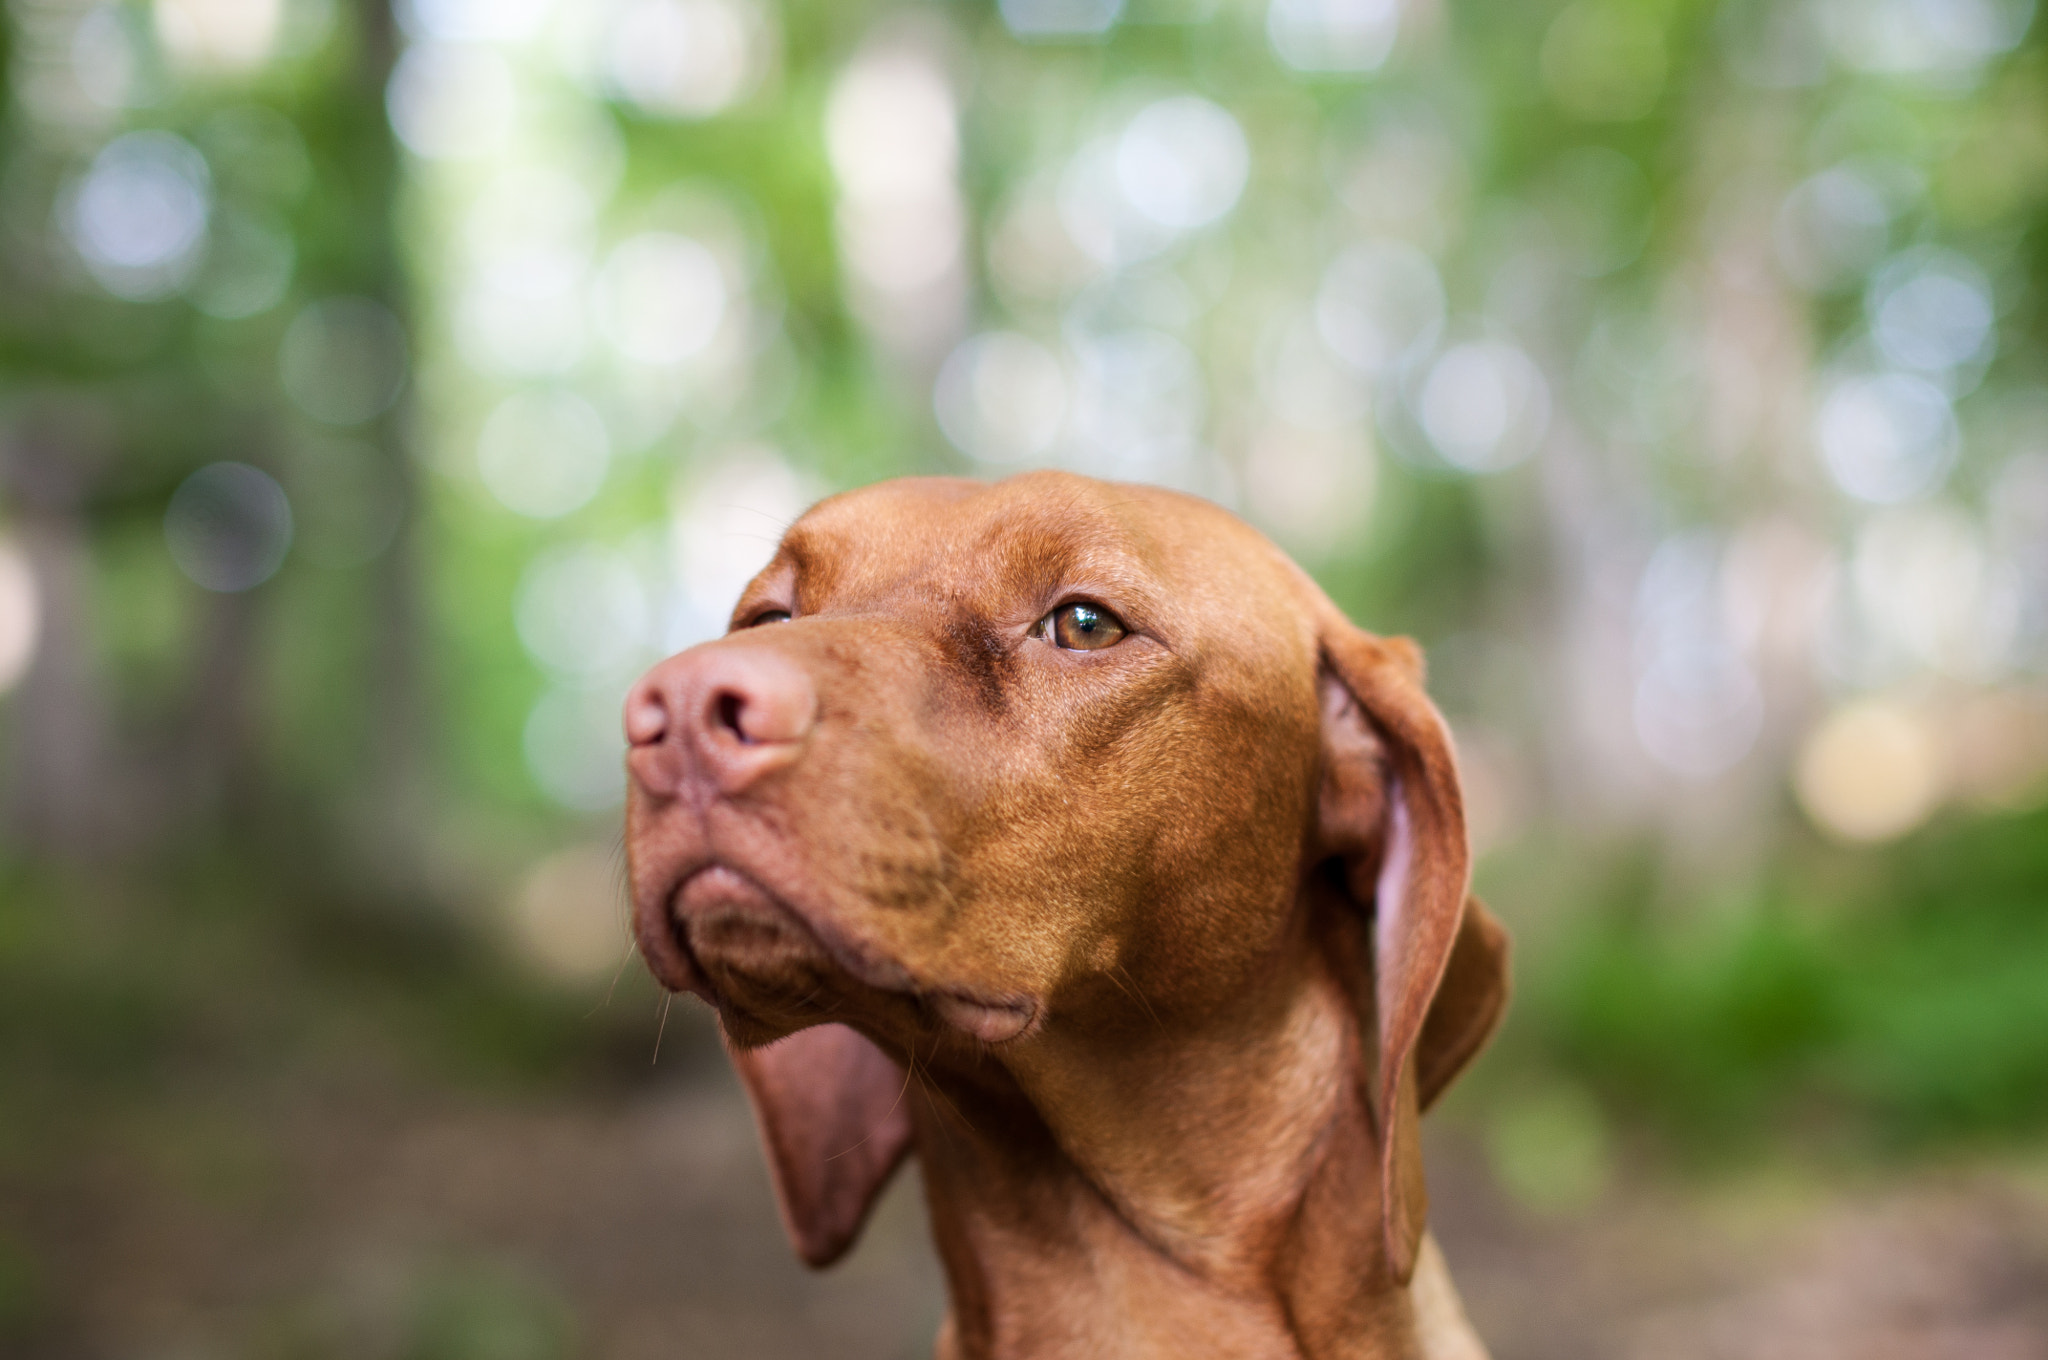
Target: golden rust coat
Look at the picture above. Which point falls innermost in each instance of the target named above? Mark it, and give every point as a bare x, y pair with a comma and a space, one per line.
1152, 942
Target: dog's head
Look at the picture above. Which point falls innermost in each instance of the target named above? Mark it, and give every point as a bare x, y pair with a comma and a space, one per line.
978, 765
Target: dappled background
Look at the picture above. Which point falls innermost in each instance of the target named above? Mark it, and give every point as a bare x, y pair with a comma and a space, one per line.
382, 389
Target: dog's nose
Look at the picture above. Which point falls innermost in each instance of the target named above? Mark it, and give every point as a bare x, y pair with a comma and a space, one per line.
738, 713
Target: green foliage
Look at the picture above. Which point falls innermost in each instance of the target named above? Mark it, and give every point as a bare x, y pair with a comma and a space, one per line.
226, 960
474, 1311
1901, 1003
20, 1289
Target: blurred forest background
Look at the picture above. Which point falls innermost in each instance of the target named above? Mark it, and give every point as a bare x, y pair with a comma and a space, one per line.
381, 389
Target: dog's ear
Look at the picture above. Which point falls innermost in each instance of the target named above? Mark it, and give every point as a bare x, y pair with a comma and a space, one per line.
1391, 814
1468, 1006
830, 1106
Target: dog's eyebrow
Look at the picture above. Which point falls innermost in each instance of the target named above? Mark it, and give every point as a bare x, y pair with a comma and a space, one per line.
816, 570
1039, 552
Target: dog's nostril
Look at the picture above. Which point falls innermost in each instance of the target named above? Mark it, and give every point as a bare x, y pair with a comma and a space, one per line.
646, 716
726, 708
746, 707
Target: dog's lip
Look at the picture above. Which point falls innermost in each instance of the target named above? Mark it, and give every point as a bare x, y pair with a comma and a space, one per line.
719, 892
991, 1021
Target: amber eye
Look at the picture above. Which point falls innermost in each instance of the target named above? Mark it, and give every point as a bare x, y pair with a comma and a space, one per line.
1084, 628
769, 616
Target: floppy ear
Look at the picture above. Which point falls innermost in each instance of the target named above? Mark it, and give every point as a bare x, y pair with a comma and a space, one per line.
1469, 1003
830, 1106
1391, 812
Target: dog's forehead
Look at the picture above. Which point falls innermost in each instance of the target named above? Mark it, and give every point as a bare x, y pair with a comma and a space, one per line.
970, 538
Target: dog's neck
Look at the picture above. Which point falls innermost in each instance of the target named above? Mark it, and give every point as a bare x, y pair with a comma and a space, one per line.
1119, 1206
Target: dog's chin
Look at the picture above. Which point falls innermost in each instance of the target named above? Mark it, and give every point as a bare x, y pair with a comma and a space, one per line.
770, 971
731, 923
757, 960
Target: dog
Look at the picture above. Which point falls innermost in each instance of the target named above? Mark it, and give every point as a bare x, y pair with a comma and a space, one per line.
1066, 834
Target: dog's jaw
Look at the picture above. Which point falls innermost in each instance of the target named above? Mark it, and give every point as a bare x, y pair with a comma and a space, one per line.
770, 968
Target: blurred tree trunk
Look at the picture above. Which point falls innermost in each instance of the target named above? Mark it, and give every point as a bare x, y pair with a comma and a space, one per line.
403, 747
65, 795
81, 784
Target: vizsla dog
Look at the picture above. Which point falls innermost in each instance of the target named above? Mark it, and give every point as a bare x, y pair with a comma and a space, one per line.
1065, 834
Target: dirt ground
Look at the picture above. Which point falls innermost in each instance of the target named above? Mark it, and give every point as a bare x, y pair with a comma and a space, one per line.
373, 1223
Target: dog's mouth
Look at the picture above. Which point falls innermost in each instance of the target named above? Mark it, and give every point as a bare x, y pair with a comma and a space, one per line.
770, 969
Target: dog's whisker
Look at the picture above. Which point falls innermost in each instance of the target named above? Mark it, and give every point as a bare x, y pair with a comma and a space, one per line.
1135, 993
617, 973
883, 1122
930, 1090
777, 520
661, 1027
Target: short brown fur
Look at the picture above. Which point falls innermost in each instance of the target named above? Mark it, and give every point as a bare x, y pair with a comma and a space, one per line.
1153, 956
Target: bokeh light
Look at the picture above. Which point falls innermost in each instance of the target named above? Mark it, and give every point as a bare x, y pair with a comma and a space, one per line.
1182, 162
1598, 203
1915, 37
1378, 303
1098, 217
20, 612
1888, 437
473, 21
568, 916
544, 453
1482, 404
1832, 227
1931, 310
350, 501
522, 311
574, 749
1698, 706
107, 56
1351, 36
1001, 398
1059, 18
662, 298
1603, 61
1313, 489
889, 128
581, 611
1870, 771
1924, 577
1139, 408
249, 264
344, 360
724, 524
892, 136
451, 102
1308, 386
219, 35
229, 527
138, 218
686, 58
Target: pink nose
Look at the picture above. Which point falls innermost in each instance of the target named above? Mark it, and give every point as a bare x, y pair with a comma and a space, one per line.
725, 713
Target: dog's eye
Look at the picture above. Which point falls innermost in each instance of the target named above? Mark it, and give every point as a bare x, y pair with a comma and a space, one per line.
769, 616
1084, 628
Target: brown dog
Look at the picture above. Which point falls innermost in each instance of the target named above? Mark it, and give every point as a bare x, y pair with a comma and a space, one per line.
1066, 834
